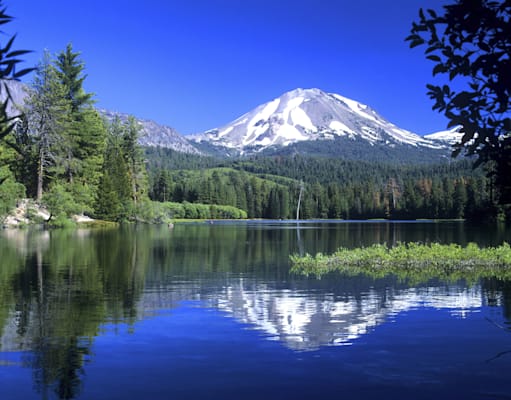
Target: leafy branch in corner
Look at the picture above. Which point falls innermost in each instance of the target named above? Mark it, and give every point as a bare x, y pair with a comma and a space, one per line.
470, 44
9, 60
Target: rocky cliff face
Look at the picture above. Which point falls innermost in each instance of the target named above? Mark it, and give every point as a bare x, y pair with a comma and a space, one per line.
154, 134
18, 92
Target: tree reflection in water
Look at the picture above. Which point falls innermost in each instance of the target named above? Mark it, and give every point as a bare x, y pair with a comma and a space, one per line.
58, 289
66, 285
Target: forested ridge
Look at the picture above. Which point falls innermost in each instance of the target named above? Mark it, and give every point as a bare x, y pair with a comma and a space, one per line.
268, 187
65, 156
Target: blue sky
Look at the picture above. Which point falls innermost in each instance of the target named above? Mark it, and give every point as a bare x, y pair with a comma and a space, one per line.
198, 64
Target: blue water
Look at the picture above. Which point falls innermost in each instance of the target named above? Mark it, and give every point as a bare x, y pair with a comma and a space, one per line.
173, 321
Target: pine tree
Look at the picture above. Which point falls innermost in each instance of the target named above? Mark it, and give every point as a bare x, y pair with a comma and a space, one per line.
46, 120
91, 146
334, 209
238, 180
80, 140
273, 209
114, 191
162, 188
447, 198
284, 203
10, 189
410, 200
460, 199
70, 72
134, 158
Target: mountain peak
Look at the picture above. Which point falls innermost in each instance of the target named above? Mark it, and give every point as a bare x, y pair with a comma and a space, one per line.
311, 92
309, 115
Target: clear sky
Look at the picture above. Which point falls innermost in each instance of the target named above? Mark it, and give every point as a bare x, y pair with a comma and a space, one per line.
199, 64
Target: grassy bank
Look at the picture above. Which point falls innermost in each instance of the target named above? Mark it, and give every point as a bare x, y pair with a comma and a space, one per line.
412, 261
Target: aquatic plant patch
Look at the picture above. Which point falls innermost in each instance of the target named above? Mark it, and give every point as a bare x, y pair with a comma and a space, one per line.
411, 261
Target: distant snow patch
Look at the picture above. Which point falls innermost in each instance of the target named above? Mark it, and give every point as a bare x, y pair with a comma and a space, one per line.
299, 117
226, 131
266, 112
340, 127
356, 107
450, 136
291, 133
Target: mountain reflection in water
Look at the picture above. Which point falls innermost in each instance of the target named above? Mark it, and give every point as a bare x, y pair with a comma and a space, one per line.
306, 319
62, 290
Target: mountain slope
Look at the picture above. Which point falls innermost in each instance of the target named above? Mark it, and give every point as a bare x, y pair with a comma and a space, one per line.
302, 121
305, 115
152, 133
18, 92
450, 136
155, 135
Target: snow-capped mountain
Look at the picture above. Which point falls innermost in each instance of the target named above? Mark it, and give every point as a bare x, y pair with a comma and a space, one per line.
309, 115
305, 121
451, 136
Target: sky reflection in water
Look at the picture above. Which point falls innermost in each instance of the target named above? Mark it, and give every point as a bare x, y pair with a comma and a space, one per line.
211, 312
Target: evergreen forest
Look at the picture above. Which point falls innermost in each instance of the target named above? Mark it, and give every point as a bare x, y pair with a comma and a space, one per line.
269, 187
61, 153
64, 155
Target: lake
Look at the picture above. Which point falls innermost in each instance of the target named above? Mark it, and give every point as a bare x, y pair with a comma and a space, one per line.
211, 311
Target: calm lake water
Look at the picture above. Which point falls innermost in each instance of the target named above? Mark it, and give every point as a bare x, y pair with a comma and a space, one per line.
212, 312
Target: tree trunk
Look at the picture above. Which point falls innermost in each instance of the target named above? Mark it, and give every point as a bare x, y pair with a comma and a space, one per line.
299, 201
69, 169
40, 174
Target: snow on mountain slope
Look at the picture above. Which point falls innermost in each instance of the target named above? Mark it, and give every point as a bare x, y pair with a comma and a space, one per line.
450, 136
310, 114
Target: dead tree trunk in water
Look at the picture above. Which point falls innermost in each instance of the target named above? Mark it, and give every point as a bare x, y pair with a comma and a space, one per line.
299, 201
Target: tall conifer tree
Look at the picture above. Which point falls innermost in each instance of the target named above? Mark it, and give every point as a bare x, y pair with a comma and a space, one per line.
47, 119
87, 134
134, 158
114, 191
70, 72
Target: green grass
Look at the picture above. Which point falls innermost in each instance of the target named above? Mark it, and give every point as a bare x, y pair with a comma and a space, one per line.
204, 220
97, 223
414, 262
